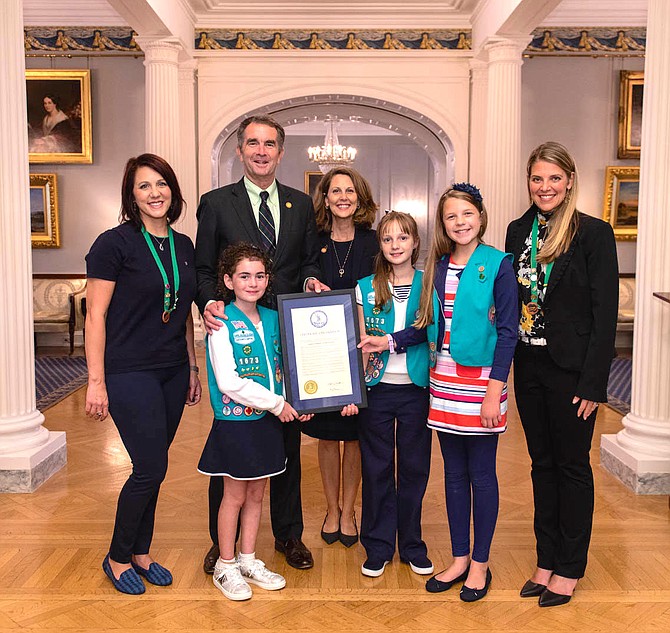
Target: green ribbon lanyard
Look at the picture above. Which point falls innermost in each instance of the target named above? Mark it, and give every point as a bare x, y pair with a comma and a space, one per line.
533, 306
175, 271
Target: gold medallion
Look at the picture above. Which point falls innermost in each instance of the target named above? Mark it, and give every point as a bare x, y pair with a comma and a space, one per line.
311, 387
166, 316
532, 307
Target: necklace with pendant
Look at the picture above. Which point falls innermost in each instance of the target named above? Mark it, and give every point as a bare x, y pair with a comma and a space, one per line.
160, 241
341, 265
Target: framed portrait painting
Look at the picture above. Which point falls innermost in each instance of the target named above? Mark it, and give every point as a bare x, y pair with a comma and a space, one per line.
59, 116
620, 206
311, 181
44, 226
630, 113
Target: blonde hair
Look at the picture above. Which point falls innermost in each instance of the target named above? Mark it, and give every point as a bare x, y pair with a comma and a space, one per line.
564, 219
442, 245
383, 268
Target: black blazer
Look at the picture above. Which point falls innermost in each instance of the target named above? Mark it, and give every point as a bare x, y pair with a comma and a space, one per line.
225, 217
581, 302
360, 263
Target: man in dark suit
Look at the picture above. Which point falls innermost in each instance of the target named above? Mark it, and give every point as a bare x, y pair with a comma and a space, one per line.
280, 220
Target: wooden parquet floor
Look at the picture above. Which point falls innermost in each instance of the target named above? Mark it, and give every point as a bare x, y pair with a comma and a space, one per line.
52, 543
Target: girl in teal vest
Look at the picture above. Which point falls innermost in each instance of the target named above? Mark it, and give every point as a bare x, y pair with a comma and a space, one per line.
469, 310
245, 445
392, 429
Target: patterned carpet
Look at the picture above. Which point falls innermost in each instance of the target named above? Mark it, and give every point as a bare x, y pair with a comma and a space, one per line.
56, 377
618, 386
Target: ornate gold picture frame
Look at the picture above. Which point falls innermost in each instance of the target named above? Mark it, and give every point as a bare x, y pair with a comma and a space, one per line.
59, 116
44, 222
620, 206
630, 113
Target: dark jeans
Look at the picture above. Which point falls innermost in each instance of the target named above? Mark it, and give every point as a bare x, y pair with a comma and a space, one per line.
559, 443
470, 485
146, 407
395, 458
285, 497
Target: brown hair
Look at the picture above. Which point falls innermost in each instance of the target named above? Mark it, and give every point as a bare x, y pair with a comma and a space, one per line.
261, 119
231, 257
129, 210
384, 268
442, 245
564, 219
367, 208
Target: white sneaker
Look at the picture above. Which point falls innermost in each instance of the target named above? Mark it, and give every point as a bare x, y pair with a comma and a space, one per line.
228, 579
258, 574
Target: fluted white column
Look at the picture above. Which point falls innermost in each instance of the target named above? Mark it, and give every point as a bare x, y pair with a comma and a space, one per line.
478, 103
187, 165
29, 453
161, 62
640, 453
503, 170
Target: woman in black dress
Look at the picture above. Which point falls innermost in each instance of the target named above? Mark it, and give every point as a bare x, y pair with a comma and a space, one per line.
345, 211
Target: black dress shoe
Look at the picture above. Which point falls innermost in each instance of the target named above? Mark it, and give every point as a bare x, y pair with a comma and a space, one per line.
550, 599
349, 539
329, 537
297, 555
210, 560
433, 585
532, 589
472, 595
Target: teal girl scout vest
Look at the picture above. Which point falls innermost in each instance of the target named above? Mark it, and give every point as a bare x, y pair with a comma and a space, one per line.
249, 355
473, 323
381, 322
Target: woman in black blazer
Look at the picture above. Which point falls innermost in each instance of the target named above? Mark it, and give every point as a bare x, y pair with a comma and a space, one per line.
345, 211
567, 276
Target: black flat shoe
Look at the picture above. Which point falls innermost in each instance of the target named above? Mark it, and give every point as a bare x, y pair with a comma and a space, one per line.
433, 585
329, 537
532, 589
349, 539
550, 599
472, 595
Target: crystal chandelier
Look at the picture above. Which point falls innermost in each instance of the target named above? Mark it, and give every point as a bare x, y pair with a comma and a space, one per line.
331, 154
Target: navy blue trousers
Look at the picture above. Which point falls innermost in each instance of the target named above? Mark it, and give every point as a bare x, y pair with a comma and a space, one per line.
471, 487
146, 407
395, 457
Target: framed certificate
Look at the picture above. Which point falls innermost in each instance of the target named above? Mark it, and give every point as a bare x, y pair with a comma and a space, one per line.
323, 368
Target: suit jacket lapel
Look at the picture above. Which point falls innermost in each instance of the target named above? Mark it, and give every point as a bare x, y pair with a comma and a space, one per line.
560, 266
245, 213
286, 218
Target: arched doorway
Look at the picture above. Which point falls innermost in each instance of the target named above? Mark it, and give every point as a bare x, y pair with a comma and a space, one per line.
407, 158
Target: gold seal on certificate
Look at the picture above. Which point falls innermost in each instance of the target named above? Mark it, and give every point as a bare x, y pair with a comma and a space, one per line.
322, 364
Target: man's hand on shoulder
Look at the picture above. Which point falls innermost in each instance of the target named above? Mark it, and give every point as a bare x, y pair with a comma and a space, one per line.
314, 285
213, 310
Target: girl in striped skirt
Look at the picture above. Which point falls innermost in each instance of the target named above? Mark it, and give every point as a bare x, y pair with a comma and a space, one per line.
469, 307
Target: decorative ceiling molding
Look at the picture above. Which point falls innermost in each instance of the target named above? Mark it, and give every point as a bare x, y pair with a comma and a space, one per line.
81, 40
227, 39
588, 41
598, 13
70, 13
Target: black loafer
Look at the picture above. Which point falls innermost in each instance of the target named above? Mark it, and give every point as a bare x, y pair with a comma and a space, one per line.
433, 585
532, 589
472, 595
550, 599
297, 554
210, 559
